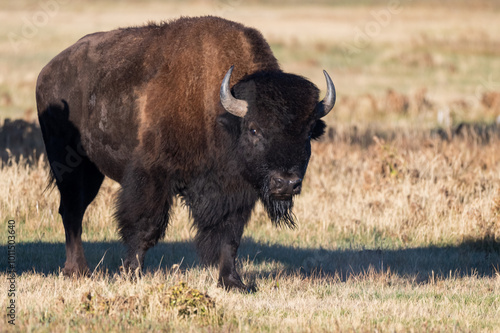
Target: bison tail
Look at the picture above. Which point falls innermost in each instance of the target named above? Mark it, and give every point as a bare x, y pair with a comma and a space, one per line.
57, 134
51, 181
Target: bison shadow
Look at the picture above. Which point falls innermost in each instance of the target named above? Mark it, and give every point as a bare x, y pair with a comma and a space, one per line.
480, 257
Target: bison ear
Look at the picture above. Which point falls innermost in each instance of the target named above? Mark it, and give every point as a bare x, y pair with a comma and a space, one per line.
318, 130
230, 123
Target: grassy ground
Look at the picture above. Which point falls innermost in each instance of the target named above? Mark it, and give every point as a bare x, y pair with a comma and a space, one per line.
399, 230
399, 235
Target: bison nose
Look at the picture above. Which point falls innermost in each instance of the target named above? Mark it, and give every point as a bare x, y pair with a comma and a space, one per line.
285, 186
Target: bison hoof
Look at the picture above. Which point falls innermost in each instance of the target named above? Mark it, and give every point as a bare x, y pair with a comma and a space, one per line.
131, 270
251, 289
230, 281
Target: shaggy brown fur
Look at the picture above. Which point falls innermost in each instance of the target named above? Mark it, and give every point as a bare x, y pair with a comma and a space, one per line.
141, 106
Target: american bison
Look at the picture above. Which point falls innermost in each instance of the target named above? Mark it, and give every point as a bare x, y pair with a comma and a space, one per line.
159, 109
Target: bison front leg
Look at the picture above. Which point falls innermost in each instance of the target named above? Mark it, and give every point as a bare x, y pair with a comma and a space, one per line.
143, 213
140, 233
228, 276
218, 245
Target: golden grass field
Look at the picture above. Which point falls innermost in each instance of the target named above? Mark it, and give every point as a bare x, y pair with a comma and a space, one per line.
399, 219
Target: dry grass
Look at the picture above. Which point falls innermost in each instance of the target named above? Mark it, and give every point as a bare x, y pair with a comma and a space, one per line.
366, 302
402, 234
399, 229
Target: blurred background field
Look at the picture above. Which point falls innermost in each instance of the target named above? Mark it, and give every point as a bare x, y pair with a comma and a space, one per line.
413, 63
399, 220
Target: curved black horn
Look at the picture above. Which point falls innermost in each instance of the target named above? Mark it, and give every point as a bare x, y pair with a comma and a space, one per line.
326, 105
237, 107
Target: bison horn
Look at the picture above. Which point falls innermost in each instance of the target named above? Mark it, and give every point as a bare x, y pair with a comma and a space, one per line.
237, 107
325, 106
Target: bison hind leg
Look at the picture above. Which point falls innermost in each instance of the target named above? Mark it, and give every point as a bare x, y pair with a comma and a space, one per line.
76, 194
77, 178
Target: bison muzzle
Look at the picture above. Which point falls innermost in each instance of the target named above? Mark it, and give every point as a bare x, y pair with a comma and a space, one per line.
160, 110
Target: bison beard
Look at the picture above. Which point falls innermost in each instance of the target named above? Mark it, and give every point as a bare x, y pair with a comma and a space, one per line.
279, 211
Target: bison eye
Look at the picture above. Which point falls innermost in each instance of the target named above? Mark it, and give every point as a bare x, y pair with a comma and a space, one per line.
253, 131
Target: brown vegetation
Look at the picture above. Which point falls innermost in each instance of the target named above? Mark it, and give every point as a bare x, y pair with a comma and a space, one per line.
404, 221
399, 219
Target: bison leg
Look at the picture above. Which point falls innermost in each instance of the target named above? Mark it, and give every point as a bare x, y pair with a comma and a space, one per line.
77, 192
139, 235
219, 245
76, 177
143, 207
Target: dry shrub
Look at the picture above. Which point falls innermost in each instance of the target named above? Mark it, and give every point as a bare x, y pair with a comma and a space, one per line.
418, 106
5, 99
421, 100
396, 102
491, 101
180, 299
496, 205
417, 59
391, 163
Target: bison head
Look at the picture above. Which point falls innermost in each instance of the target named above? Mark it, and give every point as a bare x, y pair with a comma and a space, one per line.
274, 116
